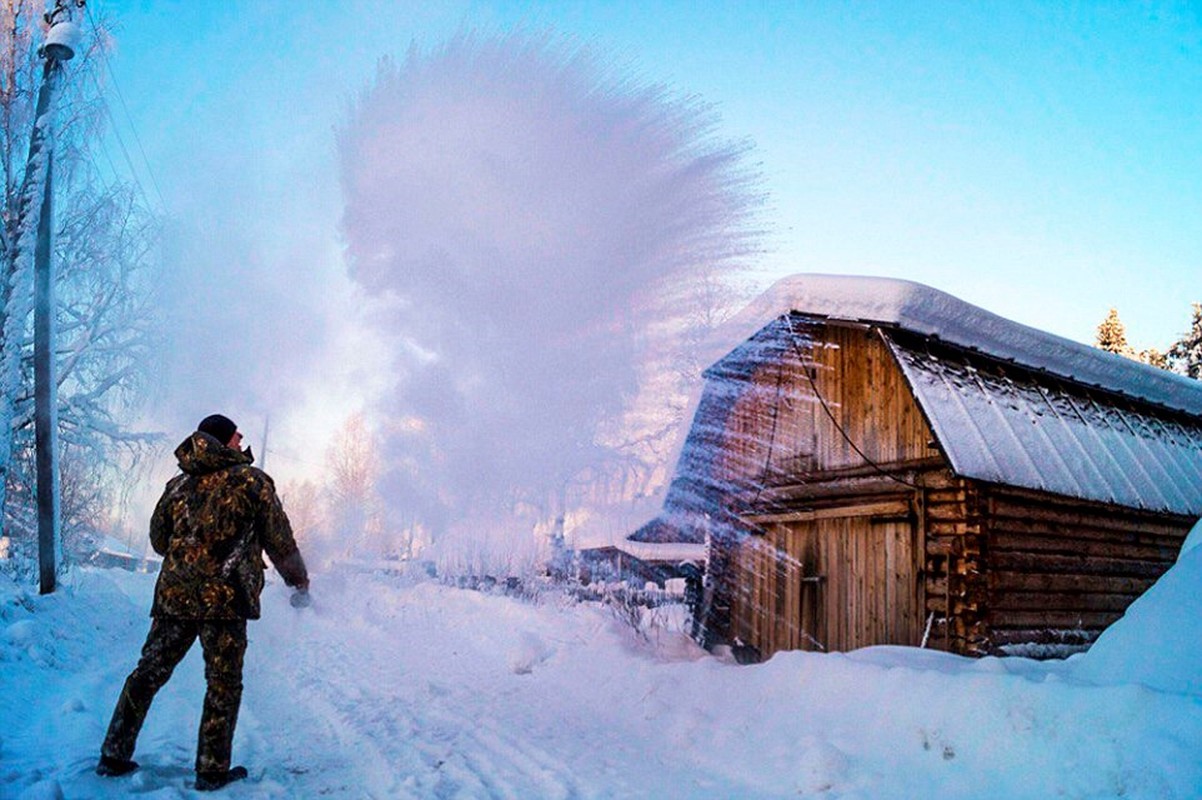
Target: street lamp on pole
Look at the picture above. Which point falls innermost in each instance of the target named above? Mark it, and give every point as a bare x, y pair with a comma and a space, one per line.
61, 41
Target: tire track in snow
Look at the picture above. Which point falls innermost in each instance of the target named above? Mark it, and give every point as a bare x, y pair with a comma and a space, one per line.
309, 716
323, 752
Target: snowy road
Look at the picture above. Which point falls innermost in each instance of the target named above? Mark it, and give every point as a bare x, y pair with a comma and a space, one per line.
387, 689
362, 722
434, 692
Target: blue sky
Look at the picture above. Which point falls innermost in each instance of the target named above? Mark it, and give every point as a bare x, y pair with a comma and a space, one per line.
1037, 159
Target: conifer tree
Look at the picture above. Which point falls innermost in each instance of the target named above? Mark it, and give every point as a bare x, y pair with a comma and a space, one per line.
1155, 358
1186, 354
1112, 335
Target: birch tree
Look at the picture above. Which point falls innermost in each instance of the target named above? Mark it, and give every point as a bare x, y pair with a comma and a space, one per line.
105, 254
353, 510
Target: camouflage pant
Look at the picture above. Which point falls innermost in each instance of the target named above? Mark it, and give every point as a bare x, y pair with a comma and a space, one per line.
224, 645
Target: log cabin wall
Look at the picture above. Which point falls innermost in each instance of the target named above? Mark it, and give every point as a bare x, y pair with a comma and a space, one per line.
950, 512
1058, 572
811, 420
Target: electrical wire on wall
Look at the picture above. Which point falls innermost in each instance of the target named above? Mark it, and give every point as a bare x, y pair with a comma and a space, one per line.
793, 336
780, 379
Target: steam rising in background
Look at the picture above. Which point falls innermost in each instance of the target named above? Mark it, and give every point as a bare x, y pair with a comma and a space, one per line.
260, 321
541, 228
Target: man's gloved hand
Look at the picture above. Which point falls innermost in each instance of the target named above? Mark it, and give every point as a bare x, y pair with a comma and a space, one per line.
300, 597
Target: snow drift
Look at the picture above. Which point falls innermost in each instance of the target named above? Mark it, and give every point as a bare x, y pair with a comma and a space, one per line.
388, 689
1158, 642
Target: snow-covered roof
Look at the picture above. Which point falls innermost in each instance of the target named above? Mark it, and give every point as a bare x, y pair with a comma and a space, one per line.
657, 552
1007, 403
922, 309
663, 551
1020, 427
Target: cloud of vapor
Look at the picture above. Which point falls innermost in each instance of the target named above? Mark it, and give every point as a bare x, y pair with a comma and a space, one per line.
231, 320
535, 219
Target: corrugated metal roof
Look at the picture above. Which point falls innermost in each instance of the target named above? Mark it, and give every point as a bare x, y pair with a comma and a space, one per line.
1002, 423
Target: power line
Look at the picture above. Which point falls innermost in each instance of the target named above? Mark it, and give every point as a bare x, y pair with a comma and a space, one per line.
120, 141
112, 164
287, 457
825, 407
129, 117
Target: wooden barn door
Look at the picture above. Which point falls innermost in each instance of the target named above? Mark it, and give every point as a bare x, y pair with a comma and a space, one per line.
869, 589
831, 581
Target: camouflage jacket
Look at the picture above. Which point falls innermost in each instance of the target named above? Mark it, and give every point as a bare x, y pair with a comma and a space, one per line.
211, 526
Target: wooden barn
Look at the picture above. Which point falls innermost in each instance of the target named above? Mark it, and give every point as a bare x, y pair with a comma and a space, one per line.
880, 463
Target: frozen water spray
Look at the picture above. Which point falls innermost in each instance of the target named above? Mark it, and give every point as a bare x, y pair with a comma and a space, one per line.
544, 231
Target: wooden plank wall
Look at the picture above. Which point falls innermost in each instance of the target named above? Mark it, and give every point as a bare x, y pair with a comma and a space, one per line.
859, 380
1061, 572
868, 590
744, 590
780, 423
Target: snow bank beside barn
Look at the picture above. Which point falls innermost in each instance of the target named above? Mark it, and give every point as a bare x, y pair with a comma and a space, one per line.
1158, 642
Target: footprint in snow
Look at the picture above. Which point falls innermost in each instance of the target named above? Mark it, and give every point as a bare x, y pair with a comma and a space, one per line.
530, 652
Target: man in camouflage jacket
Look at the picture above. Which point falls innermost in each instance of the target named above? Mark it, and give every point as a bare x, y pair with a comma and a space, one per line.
212, 526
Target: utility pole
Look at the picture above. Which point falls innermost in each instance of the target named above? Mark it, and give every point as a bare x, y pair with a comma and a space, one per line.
45, 394
263, 452
61, 40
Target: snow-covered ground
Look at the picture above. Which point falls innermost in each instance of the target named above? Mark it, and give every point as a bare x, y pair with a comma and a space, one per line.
389, 688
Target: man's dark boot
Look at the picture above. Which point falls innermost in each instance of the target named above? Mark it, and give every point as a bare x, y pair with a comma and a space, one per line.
111, 767
208, 781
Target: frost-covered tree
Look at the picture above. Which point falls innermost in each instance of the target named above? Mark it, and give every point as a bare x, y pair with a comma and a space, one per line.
104, 254
1155, 358
1186, 354
1112, 335
352, 514
306, 512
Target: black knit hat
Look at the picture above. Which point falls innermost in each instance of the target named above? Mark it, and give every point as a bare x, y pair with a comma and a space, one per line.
220, 428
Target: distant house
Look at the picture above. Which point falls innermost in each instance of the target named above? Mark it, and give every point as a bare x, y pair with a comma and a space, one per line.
110, 552
116, 559
878, 462
639, 563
